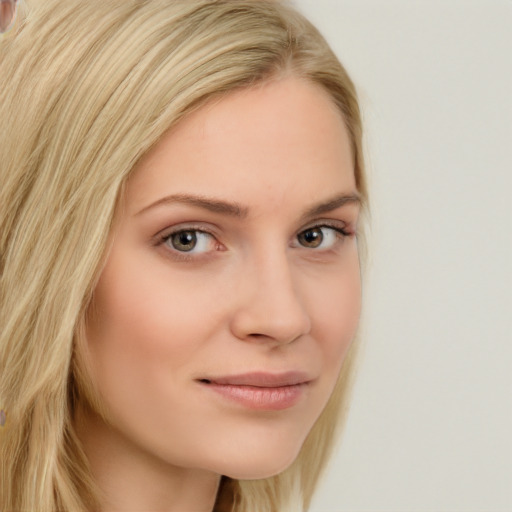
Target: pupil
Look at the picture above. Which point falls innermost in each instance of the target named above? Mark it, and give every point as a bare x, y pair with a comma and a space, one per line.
312, 237
184, 241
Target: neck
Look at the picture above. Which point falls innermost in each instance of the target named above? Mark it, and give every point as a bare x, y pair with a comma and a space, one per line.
132, 479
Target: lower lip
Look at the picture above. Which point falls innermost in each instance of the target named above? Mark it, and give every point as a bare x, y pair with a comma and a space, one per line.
261, 398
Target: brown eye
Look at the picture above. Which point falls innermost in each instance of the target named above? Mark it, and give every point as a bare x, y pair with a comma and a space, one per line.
311, 238
193, 241
184, 241
321, 237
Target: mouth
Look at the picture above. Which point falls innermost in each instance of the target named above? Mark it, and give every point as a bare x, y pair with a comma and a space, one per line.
260, 390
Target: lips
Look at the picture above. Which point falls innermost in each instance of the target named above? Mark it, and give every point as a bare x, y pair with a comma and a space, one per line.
262, 379
260, 390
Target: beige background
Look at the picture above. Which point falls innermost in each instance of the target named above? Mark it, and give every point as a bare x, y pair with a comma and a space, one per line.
431, 422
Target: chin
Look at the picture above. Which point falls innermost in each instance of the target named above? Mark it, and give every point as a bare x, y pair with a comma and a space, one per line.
258, 465
258, 470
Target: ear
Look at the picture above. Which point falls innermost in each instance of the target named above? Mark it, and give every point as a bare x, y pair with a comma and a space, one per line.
7, 14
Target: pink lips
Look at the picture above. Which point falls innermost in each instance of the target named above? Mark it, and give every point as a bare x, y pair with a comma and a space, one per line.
261, 390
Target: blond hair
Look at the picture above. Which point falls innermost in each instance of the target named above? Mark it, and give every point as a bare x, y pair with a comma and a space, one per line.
87, 88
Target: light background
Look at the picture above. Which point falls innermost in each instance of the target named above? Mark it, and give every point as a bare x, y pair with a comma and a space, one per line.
431, 422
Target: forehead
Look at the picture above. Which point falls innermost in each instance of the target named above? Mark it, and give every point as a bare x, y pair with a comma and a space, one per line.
277, 137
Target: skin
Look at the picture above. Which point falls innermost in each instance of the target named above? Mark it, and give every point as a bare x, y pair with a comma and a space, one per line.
7, 11
250, 296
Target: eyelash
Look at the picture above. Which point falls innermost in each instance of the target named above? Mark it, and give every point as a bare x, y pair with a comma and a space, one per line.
340, 233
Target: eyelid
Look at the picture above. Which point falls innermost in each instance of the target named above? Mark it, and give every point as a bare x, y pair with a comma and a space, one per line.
160, 239
339, 225
340, 228
171, 230
344, 229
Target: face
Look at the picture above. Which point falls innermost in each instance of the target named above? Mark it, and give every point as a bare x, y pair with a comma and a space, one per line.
232, 290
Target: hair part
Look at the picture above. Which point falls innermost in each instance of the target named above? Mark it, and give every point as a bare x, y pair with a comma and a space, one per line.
87, 89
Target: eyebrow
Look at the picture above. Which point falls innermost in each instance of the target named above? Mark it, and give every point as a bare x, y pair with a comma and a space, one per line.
234, 209
333, 203
207, 203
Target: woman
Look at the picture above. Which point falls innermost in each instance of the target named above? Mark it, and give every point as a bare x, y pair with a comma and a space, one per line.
182, 187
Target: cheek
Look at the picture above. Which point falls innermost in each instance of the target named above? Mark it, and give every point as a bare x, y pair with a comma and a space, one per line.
123, 314
141, 312
139, 334
336, 308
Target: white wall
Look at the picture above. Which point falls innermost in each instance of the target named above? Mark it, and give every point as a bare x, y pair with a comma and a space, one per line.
431, 422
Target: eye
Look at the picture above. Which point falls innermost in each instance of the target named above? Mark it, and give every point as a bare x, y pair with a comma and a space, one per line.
321, 237
190, 241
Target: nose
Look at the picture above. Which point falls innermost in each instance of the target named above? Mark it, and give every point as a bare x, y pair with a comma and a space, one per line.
270, 308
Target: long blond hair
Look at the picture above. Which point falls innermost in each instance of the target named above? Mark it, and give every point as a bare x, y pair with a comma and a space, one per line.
86, 89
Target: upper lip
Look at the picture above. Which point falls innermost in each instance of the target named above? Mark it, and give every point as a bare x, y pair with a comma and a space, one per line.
261, 379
